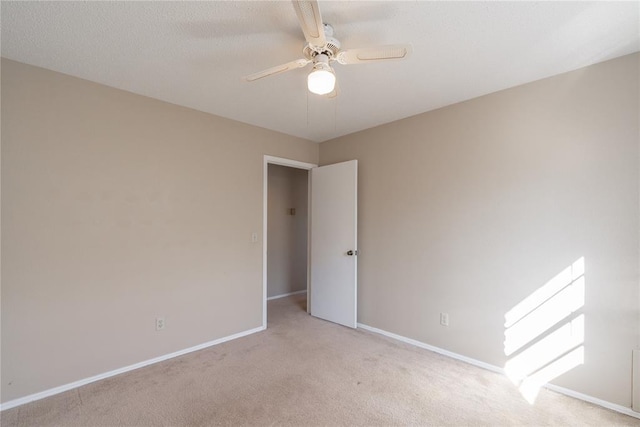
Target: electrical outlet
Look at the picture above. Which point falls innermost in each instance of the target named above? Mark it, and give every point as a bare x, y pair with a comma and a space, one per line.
444, 319
160, 323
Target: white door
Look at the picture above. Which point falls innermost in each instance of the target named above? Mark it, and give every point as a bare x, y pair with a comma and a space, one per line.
334, 242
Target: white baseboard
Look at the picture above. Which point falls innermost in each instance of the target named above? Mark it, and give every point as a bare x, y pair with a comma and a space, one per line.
287, 295
594, 400
432, 348
614, 407
79, 383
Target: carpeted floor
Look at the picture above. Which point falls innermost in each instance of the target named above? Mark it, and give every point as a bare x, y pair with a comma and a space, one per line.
305, 371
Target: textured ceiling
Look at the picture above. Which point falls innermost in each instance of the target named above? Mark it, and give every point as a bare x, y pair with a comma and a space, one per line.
195, 53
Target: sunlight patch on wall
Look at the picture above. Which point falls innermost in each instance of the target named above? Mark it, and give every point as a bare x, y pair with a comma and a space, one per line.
544, 333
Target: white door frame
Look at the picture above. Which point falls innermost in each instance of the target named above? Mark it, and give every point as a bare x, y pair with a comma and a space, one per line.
271, 160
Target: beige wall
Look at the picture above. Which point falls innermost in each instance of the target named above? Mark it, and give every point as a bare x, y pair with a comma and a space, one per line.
287, 234
471, 208
117, 209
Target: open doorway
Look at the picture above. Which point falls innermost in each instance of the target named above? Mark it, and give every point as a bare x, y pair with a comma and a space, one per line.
287, 213
285, 229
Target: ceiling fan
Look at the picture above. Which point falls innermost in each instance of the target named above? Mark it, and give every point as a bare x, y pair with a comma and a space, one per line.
322, 49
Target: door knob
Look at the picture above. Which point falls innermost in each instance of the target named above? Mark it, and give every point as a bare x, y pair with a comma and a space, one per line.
352, 253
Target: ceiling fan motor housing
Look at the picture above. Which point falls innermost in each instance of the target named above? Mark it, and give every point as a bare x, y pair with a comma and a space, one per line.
331, 47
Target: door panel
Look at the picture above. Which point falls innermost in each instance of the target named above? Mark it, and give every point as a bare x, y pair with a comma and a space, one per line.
333, 235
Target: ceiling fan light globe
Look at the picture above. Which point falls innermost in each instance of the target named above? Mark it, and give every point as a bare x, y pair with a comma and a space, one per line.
321, 82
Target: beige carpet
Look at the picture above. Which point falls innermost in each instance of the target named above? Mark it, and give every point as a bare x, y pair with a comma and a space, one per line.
304, 371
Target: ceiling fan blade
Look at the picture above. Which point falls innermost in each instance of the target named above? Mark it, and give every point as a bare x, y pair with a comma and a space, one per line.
311, 23
298, 63
372, 54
